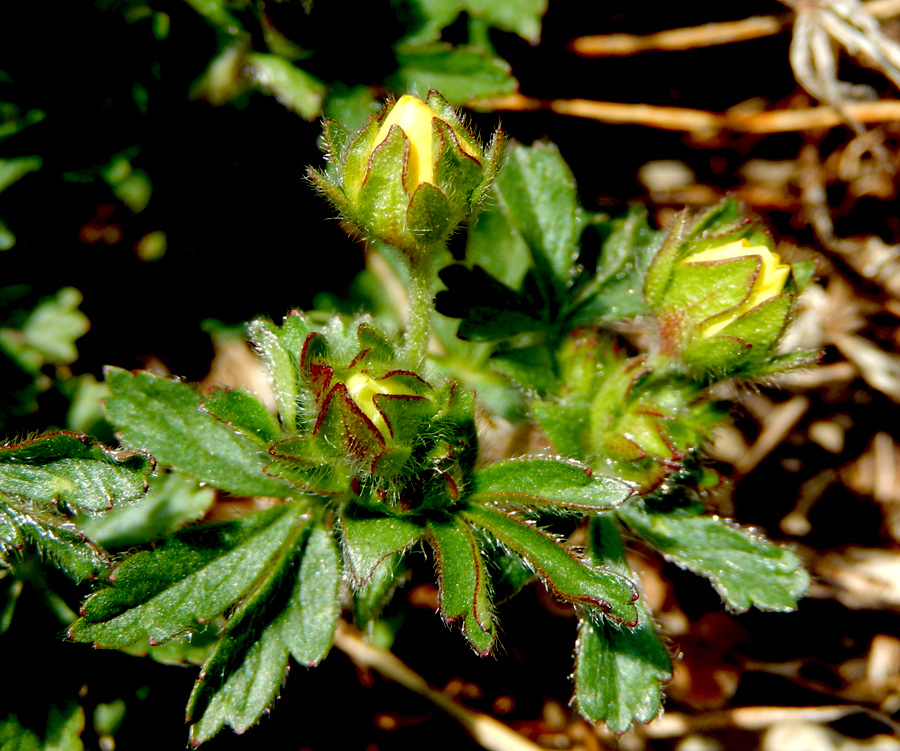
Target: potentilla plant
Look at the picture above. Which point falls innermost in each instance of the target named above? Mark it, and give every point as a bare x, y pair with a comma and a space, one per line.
372, 452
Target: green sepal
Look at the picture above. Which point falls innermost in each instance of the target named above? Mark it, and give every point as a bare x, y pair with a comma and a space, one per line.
723, 222
429, 216
300, 461
458, 168
743, 345
346, 427
281, 369
701, 290
163, 416
553, 485
746, 569
463, 581
73, 471
802, 274
383, 198
618, 673
335, 139
187, 579
404, 414
242, 411
607, 593
786, 363
369, 538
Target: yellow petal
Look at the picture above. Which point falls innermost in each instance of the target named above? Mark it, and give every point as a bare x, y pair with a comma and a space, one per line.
414, 117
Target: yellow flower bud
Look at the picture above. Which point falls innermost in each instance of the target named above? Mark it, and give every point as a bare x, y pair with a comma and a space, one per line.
770, 281
363, 389
415, 119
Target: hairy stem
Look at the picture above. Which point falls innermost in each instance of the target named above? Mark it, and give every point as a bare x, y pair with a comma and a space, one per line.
421, 306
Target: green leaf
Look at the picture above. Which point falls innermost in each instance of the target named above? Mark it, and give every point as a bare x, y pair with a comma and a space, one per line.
12, 170
172, 501
187, 579
61, 732
746, 569
54, 535
489, 309
315, 604
611, 594
292, 609
532, 369
522, 17
537, 192
494, 244
369, 539
164, 417
294, 88
616, 291
618, 673
464, 583
49, 333
552, 484
462, 74
243, 412
74, 471
370, 600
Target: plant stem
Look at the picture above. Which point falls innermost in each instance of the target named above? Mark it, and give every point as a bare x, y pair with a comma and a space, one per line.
421, 306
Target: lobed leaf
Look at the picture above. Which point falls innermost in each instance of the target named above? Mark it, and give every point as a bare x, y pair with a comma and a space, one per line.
164, 417
746, 569
53, 535
552, 484
368, 539
618, 673
188, 578
610, 593
74, 471
536, 190
463, 581
244, 412
462, 74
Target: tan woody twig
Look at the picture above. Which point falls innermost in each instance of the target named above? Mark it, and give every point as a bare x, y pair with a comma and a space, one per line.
701, 121
485, 730
707, 35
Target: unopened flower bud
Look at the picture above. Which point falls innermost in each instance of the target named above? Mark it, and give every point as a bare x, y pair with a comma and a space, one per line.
411, 176
721, 297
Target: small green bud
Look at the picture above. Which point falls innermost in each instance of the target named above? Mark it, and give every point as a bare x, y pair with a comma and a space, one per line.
410, 176
721, 297
369, 428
